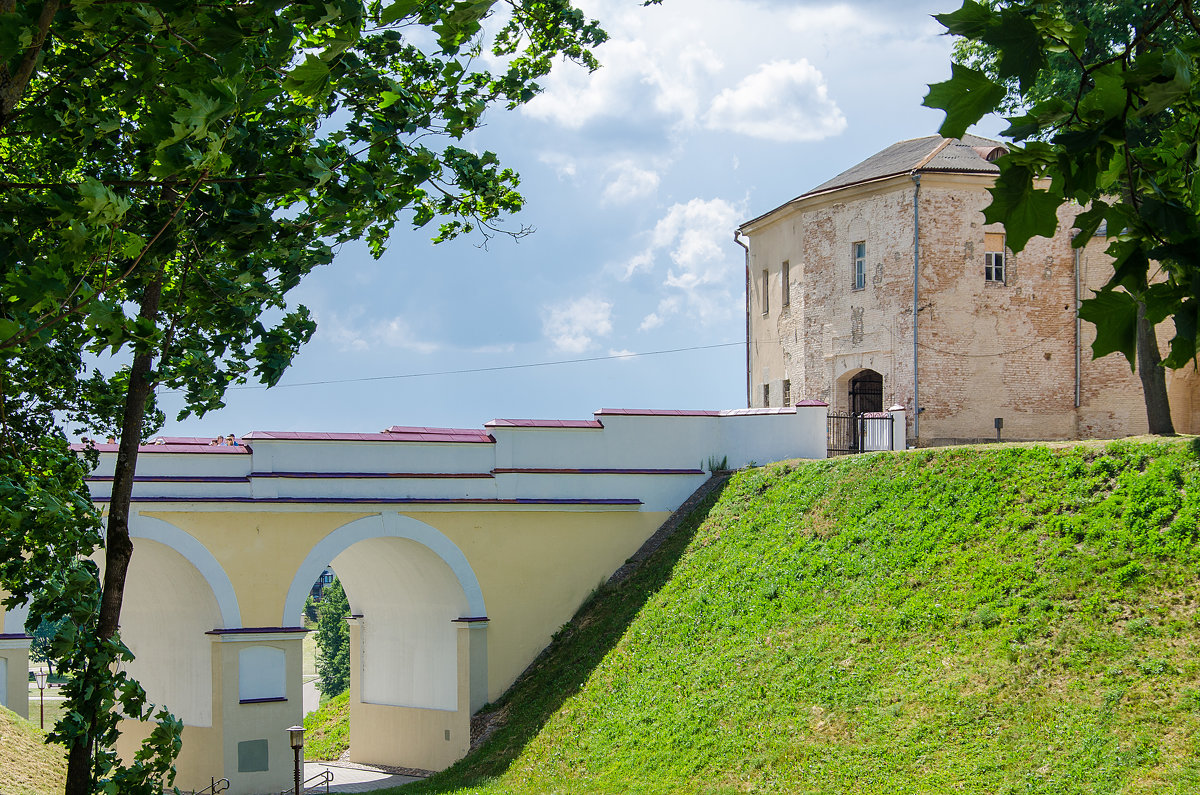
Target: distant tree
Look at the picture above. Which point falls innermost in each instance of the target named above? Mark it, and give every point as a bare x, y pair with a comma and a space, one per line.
1105, 100
333, 641
310, 608
43, 635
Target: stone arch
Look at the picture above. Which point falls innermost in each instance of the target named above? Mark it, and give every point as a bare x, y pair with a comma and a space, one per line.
860, 390
197, 554
169, 606
409, 586
384, 525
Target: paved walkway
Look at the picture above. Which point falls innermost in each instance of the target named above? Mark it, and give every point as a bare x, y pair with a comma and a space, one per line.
348, 779
312, 698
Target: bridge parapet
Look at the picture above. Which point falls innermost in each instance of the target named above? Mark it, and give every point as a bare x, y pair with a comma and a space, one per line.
654, 458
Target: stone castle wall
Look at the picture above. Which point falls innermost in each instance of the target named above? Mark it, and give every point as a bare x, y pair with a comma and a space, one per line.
986, 349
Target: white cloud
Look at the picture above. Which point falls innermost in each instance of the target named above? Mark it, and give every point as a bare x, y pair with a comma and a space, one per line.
572, 327
703, 278
666, 307
628, 182
783, 101
395, 332
564, 166
651, 321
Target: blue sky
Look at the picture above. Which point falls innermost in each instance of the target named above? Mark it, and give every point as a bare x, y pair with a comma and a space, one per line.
706, 113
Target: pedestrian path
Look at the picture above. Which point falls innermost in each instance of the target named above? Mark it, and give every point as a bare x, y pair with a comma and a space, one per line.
352, 779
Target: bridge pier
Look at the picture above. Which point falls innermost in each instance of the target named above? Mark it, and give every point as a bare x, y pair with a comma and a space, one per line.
427, 738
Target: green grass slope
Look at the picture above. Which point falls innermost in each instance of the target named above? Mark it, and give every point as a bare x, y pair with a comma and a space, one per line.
975, 620
27, 765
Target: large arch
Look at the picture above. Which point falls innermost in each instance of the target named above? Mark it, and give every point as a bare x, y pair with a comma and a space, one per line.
384, 525
197, 554
169, 606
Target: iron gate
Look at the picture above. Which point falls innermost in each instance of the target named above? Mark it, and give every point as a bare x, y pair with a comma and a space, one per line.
848, 433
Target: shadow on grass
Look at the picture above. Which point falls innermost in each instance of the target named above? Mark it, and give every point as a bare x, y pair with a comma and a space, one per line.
560, 671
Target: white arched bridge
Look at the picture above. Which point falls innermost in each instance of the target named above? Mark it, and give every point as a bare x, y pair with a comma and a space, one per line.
461, 553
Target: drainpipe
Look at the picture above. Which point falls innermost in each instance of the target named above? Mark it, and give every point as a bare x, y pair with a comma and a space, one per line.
916, 178
737, 238
1078, 353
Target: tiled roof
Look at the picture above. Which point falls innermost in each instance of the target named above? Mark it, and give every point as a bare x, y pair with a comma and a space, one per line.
396, 433
658, 413
970, 154
173, 444
543, 424
918, 154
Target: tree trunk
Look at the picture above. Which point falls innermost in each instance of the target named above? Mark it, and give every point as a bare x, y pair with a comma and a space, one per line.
118, 548
13, 85
1153, 375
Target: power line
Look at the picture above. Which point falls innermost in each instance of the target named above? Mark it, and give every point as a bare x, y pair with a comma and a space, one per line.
496, 368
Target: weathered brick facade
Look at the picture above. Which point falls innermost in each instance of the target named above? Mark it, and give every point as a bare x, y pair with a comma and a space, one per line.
987, 348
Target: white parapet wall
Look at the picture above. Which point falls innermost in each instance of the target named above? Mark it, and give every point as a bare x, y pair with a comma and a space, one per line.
653, 456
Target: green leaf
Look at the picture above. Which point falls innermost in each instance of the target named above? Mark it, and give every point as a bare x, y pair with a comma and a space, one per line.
1115, 316
1186, 342
1088, 222
398, 10
966, 97
1019, 44
309, 78
972, 20
1026, 211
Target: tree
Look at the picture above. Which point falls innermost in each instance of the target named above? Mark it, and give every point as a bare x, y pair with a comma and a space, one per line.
1106, 101
43, 636
333, 641
168, 173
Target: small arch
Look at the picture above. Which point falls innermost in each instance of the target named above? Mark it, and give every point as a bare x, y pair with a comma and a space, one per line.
385, 525
862, 390
198, 555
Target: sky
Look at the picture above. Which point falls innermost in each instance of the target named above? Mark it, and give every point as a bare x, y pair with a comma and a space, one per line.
705, 114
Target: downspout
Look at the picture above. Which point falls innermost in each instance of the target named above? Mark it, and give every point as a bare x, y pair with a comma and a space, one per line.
1078, 340
916, 178
737, 238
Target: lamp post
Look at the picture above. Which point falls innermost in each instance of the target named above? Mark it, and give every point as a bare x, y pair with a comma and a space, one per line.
39, 674
296, 736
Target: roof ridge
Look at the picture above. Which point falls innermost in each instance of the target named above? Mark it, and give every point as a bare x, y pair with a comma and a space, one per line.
936, 151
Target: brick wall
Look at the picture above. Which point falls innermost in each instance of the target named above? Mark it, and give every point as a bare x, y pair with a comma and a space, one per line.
986, 349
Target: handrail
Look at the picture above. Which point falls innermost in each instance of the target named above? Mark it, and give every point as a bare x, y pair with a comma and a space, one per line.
326, 777
217, 785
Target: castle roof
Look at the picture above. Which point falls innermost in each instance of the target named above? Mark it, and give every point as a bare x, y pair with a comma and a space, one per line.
971, 154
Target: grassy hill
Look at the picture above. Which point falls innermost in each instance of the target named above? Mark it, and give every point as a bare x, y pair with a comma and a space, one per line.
978, 620
28, 766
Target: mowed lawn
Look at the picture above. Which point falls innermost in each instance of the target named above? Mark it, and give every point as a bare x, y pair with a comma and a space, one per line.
995, 620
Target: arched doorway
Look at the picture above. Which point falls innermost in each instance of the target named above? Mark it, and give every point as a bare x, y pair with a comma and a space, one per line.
865, 392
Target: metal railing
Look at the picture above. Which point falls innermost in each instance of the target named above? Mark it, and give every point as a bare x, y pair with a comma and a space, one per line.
848, 433
217, 785
322, 781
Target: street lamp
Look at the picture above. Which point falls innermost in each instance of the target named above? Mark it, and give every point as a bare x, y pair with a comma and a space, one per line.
296, 737
40, 675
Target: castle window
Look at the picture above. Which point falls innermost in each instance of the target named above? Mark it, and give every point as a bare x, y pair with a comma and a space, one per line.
766, 396
766, 292
993, 258
787, 393
860, 265
786, 283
